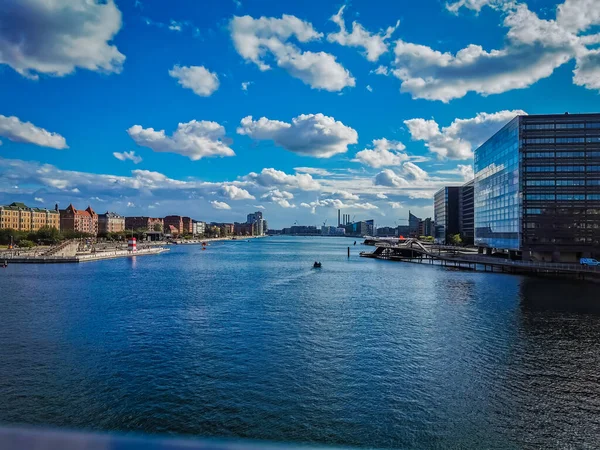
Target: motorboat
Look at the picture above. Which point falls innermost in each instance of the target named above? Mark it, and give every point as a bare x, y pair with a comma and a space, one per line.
317, 265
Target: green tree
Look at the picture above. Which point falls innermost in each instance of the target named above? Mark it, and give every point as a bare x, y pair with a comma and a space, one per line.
25, 243
47, 235
455, 239
158, 227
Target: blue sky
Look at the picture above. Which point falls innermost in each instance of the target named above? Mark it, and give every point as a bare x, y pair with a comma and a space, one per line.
154, 108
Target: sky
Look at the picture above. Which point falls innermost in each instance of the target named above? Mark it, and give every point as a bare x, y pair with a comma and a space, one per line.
217, 108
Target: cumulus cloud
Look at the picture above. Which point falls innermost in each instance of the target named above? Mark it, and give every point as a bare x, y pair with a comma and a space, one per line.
475, 5
382, 195
39, 199
534, 49
246, 85
313, 171
309, 134
131, 156
258, 206
346, 195
14, 130
254, 39
271, 177
55, 38
280, 197
373, 44
384, 153
219, 205
410, 174
236, 193
195, 139
458, 140
465, 171
197, 78
396, 205
337, 204
369, 88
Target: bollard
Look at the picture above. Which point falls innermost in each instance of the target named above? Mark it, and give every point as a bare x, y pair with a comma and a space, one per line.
348, 252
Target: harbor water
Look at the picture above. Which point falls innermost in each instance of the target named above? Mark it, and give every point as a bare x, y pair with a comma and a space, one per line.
248, 340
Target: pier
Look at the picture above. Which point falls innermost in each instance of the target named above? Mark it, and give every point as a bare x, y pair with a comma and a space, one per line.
52, 258
414, 251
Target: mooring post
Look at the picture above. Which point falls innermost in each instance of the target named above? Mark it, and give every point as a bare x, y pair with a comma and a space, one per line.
348, 252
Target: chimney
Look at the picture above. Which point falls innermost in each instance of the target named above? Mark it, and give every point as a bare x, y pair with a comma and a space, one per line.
339, 223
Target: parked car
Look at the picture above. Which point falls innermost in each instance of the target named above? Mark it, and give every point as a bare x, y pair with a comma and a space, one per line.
589, 262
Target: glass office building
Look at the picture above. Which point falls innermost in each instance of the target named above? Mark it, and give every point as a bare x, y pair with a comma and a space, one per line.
466, 212
446, 216
537, 187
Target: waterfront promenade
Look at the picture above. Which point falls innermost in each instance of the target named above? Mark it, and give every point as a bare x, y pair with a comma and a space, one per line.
79, 258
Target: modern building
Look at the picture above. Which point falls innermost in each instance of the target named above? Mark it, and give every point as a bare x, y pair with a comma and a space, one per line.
466, 213
426, 227
188, 225
259, 225
144, 223
253, 217
446, 214
387, 231
174, 221
360, 228
78, 220
403, 231
198, 228
18, 216
413, 225
243, 229
110, 223
332, 231
537, 188
370, 227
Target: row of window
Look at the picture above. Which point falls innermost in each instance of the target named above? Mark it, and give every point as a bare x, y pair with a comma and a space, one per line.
561, 126
561, 140
581, 182
561, 154
562, 196
537, 169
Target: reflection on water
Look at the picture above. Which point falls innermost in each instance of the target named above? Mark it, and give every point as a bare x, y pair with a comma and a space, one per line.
247, 340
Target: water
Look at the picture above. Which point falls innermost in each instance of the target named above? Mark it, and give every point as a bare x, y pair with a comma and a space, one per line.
246, 340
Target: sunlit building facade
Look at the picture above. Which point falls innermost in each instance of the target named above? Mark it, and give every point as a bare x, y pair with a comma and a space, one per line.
537, 188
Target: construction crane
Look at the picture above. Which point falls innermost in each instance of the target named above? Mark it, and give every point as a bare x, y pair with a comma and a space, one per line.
325, 222
353, 217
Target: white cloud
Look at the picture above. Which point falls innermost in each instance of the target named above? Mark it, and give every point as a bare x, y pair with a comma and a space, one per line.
384, 153
197, 78
337, 204
396, 205
308, 134
475, 5
382, 195
410, 174
369, 88
195, 139
313, 171
236, 193
254, 38
374, 45
280, 197
458, 140
272, 177
175, 26
130, 205
381, 70
246, 85
347, 195
534, 49
465, 171
128, 156
258, 206
26, 132
39, 199
219, 205
56, 37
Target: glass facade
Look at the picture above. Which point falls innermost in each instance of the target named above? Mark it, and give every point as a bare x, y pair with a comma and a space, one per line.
466, 210
445, 204
497, 196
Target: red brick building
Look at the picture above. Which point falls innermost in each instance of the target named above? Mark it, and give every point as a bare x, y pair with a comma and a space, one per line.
176, 222
143, 223
81, 221
188, 225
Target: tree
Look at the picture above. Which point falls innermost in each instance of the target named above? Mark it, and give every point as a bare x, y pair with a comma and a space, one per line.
47, 235
158, 227
24, 243
455, 239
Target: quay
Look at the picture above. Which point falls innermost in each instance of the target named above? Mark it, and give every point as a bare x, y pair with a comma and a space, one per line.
414, 251
80, 258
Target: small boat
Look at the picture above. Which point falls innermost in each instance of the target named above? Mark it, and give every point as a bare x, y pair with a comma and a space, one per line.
317, 265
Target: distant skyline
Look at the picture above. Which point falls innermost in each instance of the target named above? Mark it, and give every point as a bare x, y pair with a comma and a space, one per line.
216, 109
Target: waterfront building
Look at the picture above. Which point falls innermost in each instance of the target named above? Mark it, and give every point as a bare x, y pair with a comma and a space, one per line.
301, 229
426, 227
144, 223
413, 225
243, 229
466, 212
78, 220
537, 188
446, 214
403, 231
253, 217
18, 216
370, 227
332, 231
110, 223
198, 228
188, 225
360, 228
387, 231
175, 221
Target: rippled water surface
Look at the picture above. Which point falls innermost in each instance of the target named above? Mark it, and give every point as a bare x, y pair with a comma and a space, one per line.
246, 340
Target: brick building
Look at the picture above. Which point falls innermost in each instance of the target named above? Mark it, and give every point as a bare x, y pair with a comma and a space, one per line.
81, 221
110, 223
176, 222
144, 223
18, 216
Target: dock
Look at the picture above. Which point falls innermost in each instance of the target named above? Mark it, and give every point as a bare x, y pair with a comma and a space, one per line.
56, 258
414, 251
